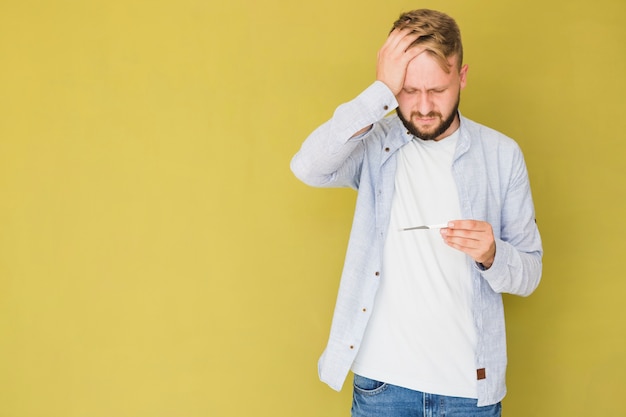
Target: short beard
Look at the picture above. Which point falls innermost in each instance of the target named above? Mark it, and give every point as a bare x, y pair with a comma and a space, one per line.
445, 124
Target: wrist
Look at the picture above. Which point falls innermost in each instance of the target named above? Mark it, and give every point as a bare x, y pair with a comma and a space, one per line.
483, 266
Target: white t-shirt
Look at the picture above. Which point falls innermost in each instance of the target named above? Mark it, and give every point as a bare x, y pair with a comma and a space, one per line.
421, 334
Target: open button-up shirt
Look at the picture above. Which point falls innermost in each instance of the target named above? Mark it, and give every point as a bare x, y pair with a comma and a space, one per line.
493, 186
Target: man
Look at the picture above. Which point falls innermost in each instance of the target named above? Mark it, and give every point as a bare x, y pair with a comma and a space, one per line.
419, 316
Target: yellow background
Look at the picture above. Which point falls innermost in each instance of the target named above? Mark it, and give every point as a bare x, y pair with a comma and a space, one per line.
157, 257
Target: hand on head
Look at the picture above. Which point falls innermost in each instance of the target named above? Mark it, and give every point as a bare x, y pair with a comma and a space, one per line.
394, 57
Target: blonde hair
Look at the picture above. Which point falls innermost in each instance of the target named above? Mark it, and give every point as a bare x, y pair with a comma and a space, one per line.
438, 32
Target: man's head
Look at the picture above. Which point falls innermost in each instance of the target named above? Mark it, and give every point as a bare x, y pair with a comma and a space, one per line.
439, 34
429, 100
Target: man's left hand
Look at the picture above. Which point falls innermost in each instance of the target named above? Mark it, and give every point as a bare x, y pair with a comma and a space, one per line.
472, 237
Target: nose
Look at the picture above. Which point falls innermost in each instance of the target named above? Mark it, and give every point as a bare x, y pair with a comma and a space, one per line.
424, 104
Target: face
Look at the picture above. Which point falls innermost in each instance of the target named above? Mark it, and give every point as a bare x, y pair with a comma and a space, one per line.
429, 100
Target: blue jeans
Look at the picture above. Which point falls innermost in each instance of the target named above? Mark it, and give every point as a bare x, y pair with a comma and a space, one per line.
378, 399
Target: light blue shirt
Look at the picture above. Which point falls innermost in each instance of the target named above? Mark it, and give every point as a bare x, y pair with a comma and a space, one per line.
493, 186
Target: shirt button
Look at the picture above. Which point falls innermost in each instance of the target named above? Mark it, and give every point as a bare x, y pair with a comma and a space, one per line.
351, 346
377, 273
386, 149
386, 107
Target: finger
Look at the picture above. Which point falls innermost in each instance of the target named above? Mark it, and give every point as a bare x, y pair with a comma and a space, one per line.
475, 249
401, 39
412, 52
468, 225
406, 43
468, 241
464, 242
393, 39
398, 34
477, 244
459, 233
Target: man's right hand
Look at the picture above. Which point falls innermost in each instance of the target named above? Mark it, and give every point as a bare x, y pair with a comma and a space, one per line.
394, 57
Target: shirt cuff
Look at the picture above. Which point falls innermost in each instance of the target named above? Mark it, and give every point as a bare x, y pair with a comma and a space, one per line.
378, 98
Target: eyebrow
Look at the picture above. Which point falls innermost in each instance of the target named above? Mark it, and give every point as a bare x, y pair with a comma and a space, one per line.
437, 88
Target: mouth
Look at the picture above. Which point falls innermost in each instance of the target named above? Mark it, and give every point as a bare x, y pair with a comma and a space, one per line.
426, 120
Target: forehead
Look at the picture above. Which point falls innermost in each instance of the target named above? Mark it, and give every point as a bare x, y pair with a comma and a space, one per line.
425, 70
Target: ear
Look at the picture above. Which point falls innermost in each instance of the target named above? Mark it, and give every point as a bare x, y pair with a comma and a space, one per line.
463, 76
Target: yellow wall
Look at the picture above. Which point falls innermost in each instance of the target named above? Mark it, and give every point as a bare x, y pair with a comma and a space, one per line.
157, 258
